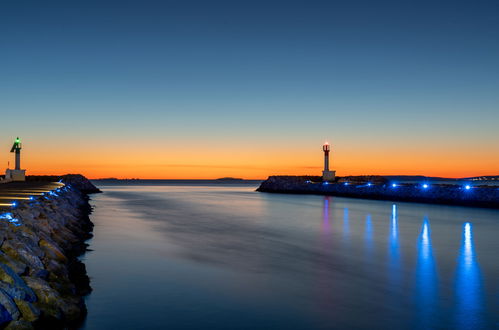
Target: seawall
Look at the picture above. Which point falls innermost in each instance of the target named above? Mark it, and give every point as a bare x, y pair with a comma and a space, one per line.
481, 196
41, 280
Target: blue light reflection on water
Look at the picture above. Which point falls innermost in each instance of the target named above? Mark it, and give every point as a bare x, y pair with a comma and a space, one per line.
326, 227
469, 295
346, 224
426, 279
394, 247
368, 236
394, 265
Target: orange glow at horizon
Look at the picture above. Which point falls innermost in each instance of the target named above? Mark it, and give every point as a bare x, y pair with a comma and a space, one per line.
250, 161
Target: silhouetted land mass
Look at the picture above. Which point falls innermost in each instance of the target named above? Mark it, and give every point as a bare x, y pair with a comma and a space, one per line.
230, 179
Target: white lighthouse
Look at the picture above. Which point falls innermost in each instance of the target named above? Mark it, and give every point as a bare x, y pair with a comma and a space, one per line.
327, 175
16, 174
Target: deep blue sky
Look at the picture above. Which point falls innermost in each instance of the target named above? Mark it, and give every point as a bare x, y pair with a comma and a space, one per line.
398, 73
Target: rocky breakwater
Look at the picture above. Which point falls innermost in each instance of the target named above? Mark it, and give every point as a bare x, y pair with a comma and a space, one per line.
452, 194
41, 280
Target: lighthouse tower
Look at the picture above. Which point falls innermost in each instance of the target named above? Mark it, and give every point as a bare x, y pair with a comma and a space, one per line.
327, 175
16, 174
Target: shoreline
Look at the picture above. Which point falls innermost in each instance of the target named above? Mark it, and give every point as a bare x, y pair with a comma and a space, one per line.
472, 196
42, 281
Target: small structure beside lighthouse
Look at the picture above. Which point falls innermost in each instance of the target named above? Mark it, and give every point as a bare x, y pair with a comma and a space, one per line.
17, 174
327, 175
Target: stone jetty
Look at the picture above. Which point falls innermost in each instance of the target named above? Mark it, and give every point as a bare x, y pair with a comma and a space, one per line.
452, 194
41, 280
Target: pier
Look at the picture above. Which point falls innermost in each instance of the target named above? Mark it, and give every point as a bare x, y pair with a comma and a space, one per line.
451, 194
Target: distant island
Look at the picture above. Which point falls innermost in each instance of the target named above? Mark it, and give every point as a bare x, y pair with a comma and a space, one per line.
229, 179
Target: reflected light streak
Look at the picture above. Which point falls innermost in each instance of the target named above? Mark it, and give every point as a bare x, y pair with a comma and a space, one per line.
346, 225
393, 249
469, 295
369, 234
426, 279
394, 243
326, 228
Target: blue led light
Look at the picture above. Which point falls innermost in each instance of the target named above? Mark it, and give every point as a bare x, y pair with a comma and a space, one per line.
345, 184
10, 218
31, 198
425, 185
369, 184
14, 204
467, 187
394, 185
326, 182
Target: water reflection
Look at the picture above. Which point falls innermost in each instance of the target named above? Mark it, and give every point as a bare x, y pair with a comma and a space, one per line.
426, 278
368, 236
346, 225
326, 226
394, 250
468, 284
394, 240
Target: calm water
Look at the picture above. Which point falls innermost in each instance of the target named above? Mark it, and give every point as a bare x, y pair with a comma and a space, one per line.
201, 256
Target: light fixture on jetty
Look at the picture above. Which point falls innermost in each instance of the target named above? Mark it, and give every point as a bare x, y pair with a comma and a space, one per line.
16, 174
327, 175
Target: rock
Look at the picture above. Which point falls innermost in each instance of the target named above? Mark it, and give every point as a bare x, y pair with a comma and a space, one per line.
72, 309
78, 275
41, 273
43, 291
22, 252
53, 251
18, 292
4, 316
19, 325
9, 305
10, 276
17, 266
28, 311
57, 269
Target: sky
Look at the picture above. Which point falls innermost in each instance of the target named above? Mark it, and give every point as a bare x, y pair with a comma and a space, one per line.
207, 89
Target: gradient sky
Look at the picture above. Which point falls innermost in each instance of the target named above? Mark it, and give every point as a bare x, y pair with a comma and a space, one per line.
204, 89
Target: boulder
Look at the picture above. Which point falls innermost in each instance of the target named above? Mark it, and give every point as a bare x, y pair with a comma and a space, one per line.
5, 316
16, 265
44, 292
11, 307
28, 311
19, 325
18, 292
23, 253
